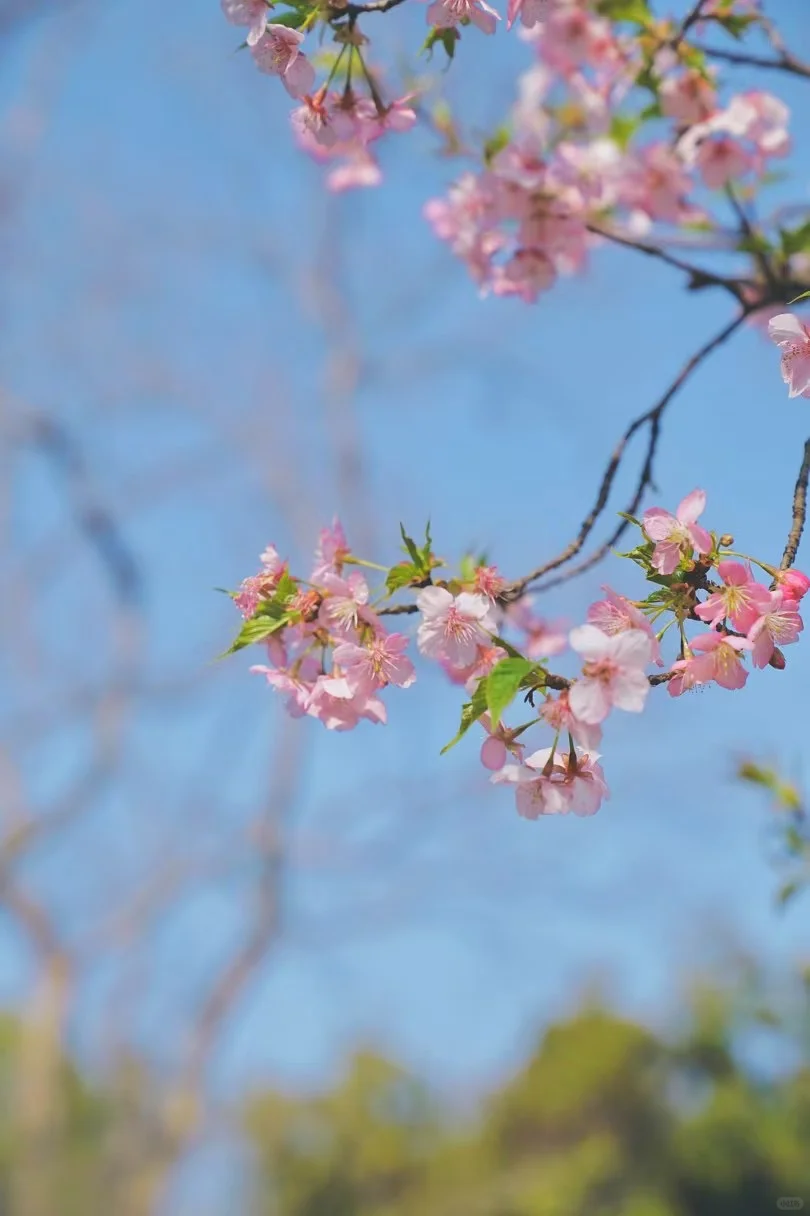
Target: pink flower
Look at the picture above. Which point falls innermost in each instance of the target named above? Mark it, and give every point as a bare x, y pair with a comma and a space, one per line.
382, 661
741, 600
331, 551
794, 583
719, 660
297, 683
779, 623
677, 535
488, 581
446, 14
557, 713
497, 745
793, 339
453, 627
333, 703
616, 614
721, 159
554, 783
688, 98
277, 53
531, 12
612, 674
527, 274
573, 36
344, 605
247, 12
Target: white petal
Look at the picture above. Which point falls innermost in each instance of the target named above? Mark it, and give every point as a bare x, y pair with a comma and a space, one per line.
590, 642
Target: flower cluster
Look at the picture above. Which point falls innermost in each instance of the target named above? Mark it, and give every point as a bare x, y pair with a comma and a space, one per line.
303, 624
330, 655
610, 130
331, 124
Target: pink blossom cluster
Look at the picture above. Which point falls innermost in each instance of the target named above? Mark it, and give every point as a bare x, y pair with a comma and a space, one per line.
333, 656
330, 655
585, 149
331, 125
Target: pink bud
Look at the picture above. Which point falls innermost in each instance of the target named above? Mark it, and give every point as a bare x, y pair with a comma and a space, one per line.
777, 659
493, 754
794, 582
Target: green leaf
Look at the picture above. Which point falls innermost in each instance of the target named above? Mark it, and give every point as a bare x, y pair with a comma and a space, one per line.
795, 240
507, 646
804, 296
755, 243
496, 143
623, 127
787, 891
651, 111
625, 10
502, 685
470, 712
736, 23
403, 575
410, 546
447, 37
293, 20
255, 629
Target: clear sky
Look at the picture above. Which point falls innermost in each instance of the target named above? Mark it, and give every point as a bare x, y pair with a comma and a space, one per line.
178, 290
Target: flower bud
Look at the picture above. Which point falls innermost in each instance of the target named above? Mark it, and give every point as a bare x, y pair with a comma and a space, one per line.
777, 659
793, 583
726, 540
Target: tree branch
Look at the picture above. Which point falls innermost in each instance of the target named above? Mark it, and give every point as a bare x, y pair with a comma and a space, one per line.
799, 512
782, 63
698, 277
652, 419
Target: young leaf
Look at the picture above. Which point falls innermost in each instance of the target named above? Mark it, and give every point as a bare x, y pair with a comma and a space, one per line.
410, 546
502, 685
255, 630
403, 575
470, 712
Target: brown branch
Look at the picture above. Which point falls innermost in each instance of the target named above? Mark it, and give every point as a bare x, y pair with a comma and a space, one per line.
799, 512
373, 6
652, 419
698, 277
783, 63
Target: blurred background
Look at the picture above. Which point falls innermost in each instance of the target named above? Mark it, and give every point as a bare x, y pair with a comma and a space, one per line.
250, 966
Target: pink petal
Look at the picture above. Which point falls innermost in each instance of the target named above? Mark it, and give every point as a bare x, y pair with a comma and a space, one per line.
658, 524
589, 701
590, 642
692, 507
786, 328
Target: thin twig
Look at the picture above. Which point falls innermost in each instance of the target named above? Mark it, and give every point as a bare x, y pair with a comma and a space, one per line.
784, 63
698, 277
373, 6
799, 512
652, 419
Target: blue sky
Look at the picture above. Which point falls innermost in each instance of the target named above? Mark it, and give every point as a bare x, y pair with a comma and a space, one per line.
162, 298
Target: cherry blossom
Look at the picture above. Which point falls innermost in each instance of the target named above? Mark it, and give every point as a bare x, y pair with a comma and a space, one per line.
453, 627
780, 624
612, 674
254, 13
677, 536
277, 52
552, 783
792, 337
446, 14
381, 661
616, 614
793, 583
741, 600
719, 660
